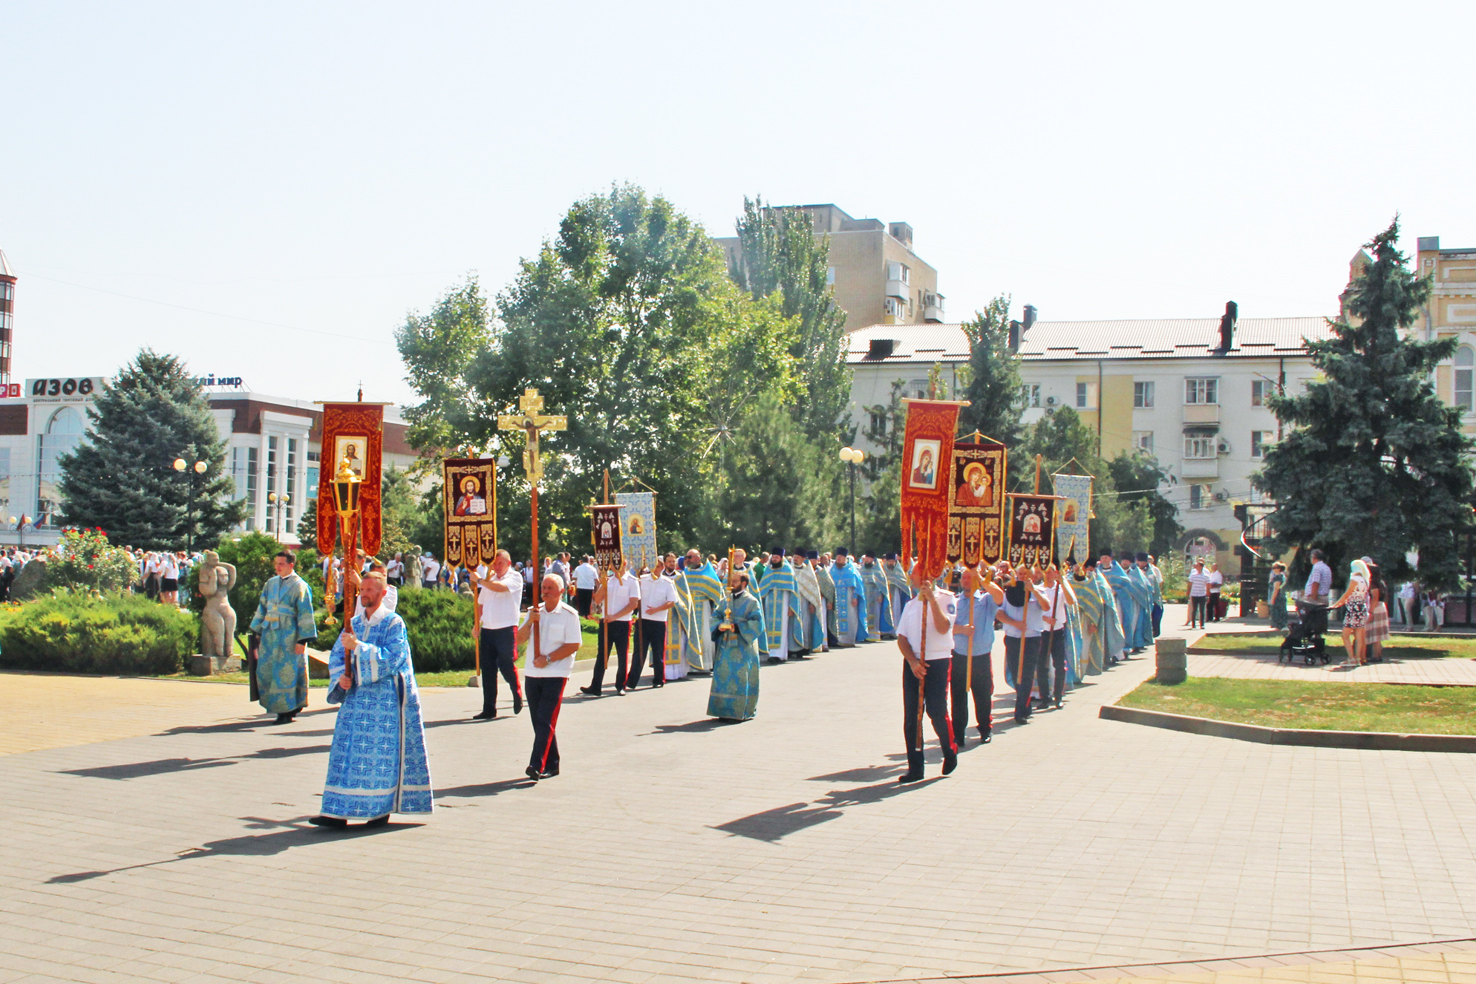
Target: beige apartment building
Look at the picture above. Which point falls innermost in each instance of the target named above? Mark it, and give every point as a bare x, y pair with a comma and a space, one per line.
877, 278
1450, 313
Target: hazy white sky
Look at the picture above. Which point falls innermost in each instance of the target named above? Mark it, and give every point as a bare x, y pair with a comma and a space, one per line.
266, 189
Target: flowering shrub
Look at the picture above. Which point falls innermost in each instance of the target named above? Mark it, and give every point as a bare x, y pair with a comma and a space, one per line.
85, 561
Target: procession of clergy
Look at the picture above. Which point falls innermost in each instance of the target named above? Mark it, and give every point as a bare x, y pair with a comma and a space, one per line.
691, 615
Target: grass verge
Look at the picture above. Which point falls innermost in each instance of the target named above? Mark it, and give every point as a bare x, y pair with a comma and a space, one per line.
1316, 706
1400, 647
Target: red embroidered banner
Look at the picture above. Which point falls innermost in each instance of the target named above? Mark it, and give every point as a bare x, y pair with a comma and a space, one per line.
352, 432
976, 503
927, 453
1032, 519
469, 497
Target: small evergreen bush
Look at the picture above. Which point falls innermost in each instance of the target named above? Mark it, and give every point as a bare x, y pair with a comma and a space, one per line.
80, 632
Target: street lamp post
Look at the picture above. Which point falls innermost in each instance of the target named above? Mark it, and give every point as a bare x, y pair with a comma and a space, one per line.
853, 457
197, 469
20, 527
280, 502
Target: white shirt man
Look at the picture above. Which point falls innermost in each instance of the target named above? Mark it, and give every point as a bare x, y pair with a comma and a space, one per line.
429, 569
925, 637
586, 577
620, 597
546, 671
499, 594
658, 595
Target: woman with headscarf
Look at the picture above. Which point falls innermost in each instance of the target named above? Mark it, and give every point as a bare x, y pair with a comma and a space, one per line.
1376, 633
1354, 603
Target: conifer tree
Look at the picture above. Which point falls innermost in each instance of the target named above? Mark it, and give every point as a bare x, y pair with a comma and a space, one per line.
1374, 462
994, 387
122, 478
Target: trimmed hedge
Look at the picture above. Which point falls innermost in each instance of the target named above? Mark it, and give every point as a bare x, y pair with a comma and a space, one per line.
96, 633
440, 625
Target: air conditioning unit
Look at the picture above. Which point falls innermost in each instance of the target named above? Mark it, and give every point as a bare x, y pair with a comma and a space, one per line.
1050, 401
1224, 446
1222, 496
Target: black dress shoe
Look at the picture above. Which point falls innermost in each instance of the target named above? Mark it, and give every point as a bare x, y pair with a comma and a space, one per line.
377, 821
589, 691
484, 715
334, 822
549, 774
950, 762
532, 773
910, 777
985, 738
517, 703
620, 693
1022, 720
286, 718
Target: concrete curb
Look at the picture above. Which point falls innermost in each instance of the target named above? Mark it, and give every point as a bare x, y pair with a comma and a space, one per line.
1369, 740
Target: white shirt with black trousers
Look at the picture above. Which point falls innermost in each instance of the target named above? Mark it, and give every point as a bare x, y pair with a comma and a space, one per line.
919, 629
499, 647
1023, 647
545, 685
655, 592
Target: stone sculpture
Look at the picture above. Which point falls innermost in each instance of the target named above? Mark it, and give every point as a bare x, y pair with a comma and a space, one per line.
218, 620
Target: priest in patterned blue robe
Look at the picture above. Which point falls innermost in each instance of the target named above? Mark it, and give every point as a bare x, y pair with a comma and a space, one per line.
779, 596
878, 598
1122, 592
1141, 586
699, 592
809, 629
735, 665
850, 600
377, 764
284, 622
899, 591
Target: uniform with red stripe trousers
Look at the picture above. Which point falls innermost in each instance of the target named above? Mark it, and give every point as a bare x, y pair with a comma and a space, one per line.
925, 636
546, 673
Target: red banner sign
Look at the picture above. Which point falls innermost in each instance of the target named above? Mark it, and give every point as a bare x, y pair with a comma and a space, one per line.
927, 452
352, 432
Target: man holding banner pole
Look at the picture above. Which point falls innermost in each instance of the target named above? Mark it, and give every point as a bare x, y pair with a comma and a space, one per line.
925, 637
973, 668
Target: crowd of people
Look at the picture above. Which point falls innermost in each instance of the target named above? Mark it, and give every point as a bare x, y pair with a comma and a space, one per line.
717, 617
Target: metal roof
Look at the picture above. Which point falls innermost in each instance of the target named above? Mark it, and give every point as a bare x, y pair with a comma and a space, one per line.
1161, 338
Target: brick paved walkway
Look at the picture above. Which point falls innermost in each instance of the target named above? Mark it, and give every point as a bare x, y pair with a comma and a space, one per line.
675, 849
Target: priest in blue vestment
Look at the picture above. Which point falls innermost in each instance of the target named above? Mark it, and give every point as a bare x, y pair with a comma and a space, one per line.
899, 591
284, 622
1142, 589
850, 600
878, 598
377, 764
1122, 592
779, 596
735, 664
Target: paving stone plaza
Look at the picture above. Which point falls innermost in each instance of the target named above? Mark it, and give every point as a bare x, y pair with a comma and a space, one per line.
169, 843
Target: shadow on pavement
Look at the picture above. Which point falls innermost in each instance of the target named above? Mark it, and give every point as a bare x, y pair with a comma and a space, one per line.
485, 788
159, 767
772, 825
705, 724
295, 833
261, 721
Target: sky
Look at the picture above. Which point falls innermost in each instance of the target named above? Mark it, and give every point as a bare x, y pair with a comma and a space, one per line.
267, 189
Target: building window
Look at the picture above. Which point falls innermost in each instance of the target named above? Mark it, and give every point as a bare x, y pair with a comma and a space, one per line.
1083, 395
1030, 392
893, 307
1200, 497
830, 276
253, 467
291, 483
899, 271
5, 481
312, 482
1202, 389
1143, 396
1260, 389
1143, 441
1199, 448
63, 433
1465, 363
917, 389
1260, 441
879, 422
271, 516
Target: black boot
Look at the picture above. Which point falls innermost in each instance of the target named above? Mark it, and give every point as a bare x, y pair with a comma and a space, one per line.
334, 822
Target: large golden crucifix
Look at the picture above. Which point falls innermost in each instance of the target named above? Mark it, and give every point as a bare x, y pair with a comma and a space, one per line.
531, 422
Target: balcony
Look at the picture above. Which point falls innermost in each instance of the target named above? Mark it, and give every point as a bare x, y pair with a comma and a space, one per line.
933, 308
898, 289
1201, 468
1201, 413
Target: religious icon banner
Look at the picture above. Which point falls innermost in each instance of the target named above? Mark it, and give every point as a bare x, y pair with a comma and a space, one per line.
469, 497
976, 519
1031, 520
638, 528
606, 522
352, 432
927, 452
1073, 515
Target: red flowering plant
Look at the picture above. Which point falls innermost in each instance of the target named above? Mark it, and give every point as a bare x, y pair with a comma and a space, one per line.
85, 561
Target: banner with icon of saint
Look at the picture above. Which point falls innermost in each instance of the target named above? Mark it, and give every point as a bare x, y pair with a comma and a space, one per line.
606, 531
1032, 523
1073, 515
638, 529
469, 498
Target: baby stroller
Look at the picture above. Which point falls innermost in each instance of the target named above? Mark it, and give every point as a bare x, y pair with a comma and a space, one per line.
1304, 637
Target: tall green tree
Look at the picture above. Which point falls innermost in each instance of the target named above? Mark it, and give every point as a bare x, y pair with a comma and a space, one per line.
1373, 462
779, 253
439, 350
1066, 443
1138, 477
994, 384
121, 477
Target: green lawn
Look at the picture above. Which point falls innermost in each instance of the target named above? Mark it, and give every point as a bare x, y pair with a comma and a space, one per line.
1400, 647
1316, 706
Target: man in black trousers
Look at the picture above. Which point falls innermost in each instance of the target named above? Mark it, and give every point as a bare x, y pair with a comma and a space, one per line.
619, 594
925, 636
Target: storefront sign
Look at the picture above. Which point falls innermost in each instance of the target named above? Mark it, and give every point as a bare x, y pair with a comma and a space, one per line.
80, 389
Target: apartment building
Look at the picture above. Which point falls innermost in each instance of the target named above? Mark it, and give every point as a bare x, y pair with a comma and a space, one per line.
1189, 391
877, 278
